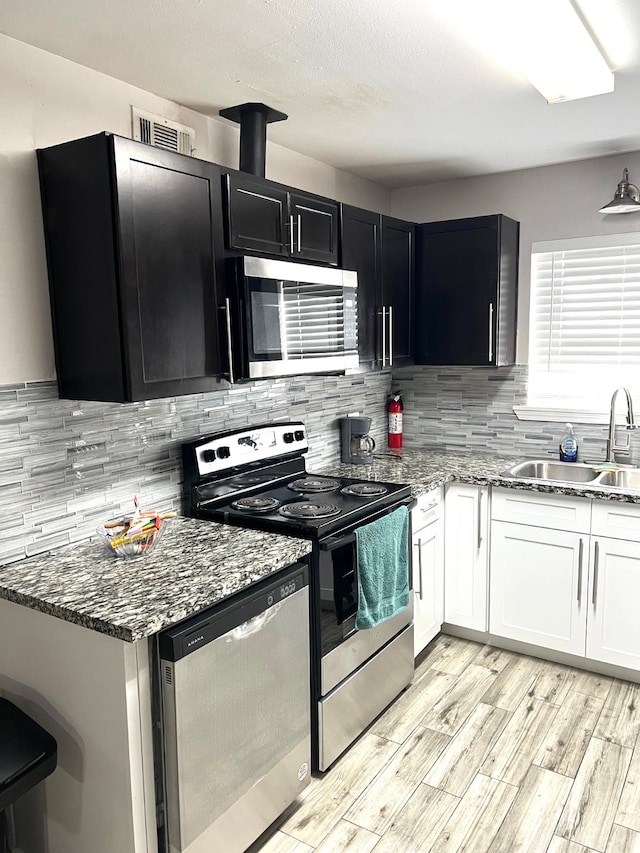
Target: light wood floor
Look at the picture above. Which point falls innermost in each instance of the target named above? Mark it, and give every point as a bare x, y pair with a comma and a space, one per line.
487, 751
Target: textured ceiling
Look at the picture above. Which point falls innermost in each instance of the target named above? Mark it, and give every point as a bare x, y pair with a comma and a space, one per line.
398, 93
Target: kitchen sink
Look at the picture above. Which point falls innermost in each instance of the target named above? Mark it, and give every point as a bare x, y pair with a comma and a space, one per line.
561, 472
549, 470
625, 478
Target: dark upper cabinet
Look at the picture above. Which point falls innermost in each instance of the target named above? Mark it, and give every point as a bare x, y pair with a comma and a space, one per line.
361, 251
381, 250
271, 219
466, 291
134, 249
315, 228
257, 221
398, 239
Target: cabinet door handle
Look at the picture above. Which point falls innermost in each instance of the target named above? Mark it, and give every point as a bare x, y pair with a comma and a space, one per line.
427, 509
595, 574
418, 545
299, 233
384, 335
479, 518
390, 335
291, 234
580, 569
227, 309
490, 331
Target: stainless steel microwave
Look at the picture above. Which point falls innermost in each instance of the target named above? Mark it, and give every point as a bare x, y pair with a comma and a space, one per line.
289, 319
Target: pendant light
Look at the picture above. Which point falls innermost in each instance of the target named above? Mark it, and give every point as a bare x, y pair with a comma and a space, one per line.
626, 199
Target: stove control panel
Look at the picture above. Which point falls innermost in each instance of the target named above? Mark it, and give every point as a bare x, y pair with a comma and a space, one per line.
218, 453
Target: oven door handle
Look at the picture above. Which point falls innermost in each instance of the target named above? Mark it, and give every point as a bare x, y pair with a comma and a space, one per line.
337, 541
333, 542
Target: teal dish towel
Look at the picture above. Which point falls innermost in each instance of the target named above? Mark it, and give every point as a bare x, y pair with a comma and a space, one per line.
383, 568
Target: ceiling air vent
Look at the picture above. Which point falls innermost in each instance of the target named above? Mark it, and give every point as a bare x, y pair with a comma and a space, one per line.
158, 131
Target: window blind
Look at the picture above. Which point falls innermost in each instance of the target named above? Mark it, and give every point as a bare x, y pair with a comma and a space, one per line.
585, 320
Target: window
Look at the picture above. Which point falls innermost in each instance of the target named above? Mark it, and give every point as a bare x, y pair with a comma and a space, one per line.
585, 321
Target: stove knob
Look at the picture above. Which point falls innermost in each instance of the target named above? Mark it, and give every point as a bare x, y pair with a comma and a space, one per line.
208, 456
299, 435
224, 453
288, 437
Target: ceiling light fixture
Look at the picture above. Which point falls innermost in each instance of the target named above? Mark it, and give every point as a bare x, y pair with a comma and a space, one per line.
544, 40
559, 56
626, 199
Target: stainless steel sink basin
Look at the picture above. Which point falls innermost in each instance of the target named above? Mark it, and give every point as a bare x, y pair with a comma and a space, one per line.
626, 478
575, 472
559, 472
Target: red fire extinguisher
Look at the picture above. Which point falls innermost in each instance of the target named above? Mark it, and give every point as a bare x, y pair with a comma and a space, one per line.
394, 410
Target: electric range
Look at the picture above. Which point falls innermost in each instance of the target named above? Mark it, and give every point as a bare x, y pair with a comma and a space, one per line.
257, 478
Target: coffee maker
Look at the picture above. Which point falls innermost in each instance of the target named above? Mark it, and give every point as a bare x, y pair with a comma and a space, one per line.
357, 444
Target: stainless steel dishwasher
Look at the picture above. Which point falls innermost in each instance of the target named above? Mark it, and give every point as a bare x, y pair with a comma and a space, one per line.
236, 715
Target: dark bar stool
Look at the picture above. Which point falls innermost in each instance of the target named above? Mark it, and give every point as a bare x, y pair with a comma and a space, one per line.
28, 754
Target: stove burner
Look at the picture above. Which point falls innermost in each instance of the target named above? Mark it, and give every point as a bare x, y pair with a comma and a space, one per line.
256, 504
365, 490
309, 510
253, 479
314, 484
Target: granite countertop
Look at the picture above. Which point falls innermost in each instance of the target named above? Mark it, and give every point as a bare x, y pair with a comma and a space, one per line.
194, 565
428, 469
199, 563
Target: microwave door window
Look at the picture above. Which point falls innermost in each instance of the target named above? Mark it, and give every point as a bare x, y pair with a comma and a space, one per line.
313, 320
265, 299
299, 326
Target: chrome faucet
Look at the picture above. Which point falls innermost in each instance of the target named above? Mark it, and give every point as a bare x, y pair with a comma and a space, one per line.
612, 447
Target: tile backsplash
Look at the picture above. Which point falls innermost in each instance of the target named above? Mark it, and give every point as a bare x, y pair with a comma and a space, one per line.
66, 466
471, 409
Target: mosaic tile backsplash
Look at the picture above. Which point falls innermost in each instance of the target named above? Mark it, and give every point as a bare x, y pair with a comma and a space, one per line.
67, 466
471, 408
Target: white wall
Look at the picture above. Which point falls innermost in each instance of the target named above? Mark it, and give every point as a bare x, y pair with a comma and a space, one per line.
90, 691
550, 202
45, 100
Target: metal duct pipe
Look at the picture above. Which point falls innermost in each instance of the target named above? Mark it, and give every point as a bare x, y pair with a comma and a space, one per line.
253, 119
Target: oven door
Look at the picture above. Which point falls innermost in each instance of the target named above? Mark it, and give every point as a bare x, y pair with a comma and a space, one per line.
342, 647
299, 318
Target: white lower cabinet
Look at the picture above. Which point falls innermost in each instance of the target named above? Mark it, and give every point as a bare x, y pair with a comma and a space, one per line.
572, 591
613, 624
466, 540
539, 586
428, 569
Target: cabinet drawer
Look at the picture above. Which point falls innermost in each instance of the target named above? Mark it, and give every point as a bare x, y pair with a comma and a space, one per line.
561, 512
617, 520
427, 510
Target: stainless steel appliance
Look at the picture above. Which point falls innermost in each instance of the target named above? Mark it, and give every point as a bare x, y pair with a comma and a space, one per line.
236, 715
289, 318
357, 445
257, 477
